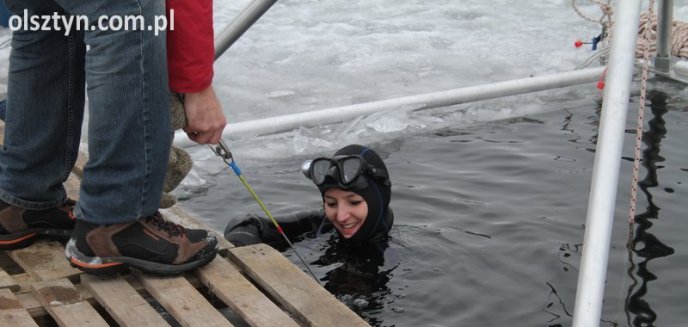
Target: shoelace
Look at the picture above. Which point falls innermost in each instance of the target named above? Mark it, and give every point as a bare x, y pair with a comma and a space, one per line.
68, 205
171, 228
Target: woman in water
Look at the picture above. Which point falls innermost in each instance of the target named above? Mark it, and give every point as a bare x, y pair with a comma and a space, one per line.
355, 222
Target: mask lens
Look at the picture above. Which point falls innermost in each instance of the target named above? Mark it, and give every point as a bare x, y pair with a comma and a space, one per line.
351, 168
319, 168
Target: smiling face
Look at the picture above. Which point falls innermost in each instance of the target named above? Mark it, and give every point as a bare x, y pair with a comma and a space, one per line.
346, 210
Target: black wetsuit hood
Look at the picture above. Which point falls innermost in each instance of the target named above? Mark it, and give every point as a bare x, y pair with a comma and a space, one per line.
377, 196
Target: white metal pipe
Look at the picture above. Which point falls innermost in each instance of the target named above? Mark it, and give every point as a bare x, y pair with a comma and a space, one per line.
664, 21
598, 224
681, 67
239, 25
678, 72
417, 102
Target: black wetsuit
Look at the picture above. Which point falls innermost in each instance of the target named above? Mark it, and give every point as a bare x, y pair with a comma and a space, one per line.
359, 269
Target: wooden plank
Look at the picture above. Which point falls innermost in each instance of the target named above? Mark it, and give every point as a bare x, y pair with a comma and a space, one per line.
32, 305
6, 281
44, 260
12, 313
24, 280
122, 301
183, 301
65, 304
35, 309
225, 281
292, 288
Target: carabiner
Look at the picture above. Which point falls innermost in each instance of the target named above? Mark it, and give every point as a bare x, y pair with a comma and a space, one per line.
222, 151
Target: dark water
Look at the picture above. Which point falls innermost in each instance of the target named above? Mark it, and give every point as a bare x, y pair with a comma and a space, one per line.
490, 220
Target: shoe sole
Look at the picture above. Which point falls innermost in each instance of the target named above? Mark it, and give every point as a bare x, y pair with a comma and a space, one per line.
27, 237
114, 265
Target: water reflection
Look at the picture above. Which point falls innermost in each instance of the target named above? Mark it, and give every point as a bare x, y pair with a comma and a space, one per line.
644, 244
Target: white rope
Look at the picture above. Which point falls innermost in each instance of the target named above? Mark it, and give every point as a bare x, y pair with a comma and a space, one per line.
605, 21
646, 46
649, 28
604, 7
600, 53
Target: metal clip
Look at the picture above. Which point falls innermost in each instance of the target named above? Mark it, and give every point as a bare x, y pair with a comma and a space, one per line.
222, 151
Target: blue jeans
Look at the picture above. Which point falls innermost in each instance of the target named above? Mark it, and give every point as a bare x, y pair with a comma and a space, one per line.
129, 133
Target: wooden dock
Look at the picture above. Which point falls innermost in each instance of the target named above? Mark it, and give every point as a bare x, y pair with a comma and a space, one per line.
243, 286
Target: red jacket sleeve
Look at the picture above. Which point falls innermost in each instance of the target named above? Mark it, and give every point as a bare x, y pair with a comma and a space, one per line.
190, 45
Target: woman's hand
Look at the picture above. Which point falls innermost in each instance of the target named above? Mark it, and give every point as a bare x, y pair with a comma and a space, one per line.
204, 115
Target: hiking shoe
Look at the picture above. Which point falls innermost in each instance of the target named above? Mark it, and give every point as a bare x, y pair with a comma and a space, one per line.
151, 244
21, 227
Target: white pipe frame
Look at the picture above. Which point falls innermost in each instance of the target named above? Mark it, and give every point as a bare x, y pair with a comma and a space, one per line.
599, 221
417, 102
664, 21
236, 28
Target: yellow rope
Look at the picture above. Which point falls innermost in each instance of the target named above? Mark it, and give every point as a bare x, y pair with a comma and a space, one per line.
274, 222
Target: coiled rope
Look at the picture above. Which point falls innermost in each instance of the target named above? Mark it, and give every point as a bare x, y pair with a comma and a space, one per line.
606, 9
679, 34
648, 23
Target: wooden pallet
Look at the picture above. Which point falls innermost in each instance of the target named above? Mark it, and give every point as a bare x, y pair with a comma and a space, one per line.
243, 286
256, 283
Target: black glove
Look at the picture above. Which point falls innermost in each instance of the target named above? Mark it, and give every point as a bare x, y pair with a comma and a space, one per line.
244, 231
254, 229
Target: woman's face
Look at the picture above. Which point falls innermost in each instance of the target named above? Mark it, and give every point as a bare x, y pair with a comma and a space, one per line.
346, 210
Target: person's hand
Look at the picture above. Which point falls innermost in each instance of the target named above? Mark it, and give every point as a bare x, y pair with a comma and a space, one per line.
204, 115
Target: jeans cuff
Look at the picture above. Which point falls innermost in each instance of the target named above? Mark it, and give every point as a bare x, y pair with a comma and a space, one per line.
31, 205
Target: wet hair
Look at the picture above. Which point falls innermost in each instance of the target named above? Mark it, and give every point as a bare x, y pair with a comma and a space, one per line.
377, 196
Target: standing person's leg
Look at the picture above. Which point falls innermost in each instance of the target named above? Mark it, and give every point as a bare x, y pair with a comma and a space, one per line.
129, 133
129, 142
45, 102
